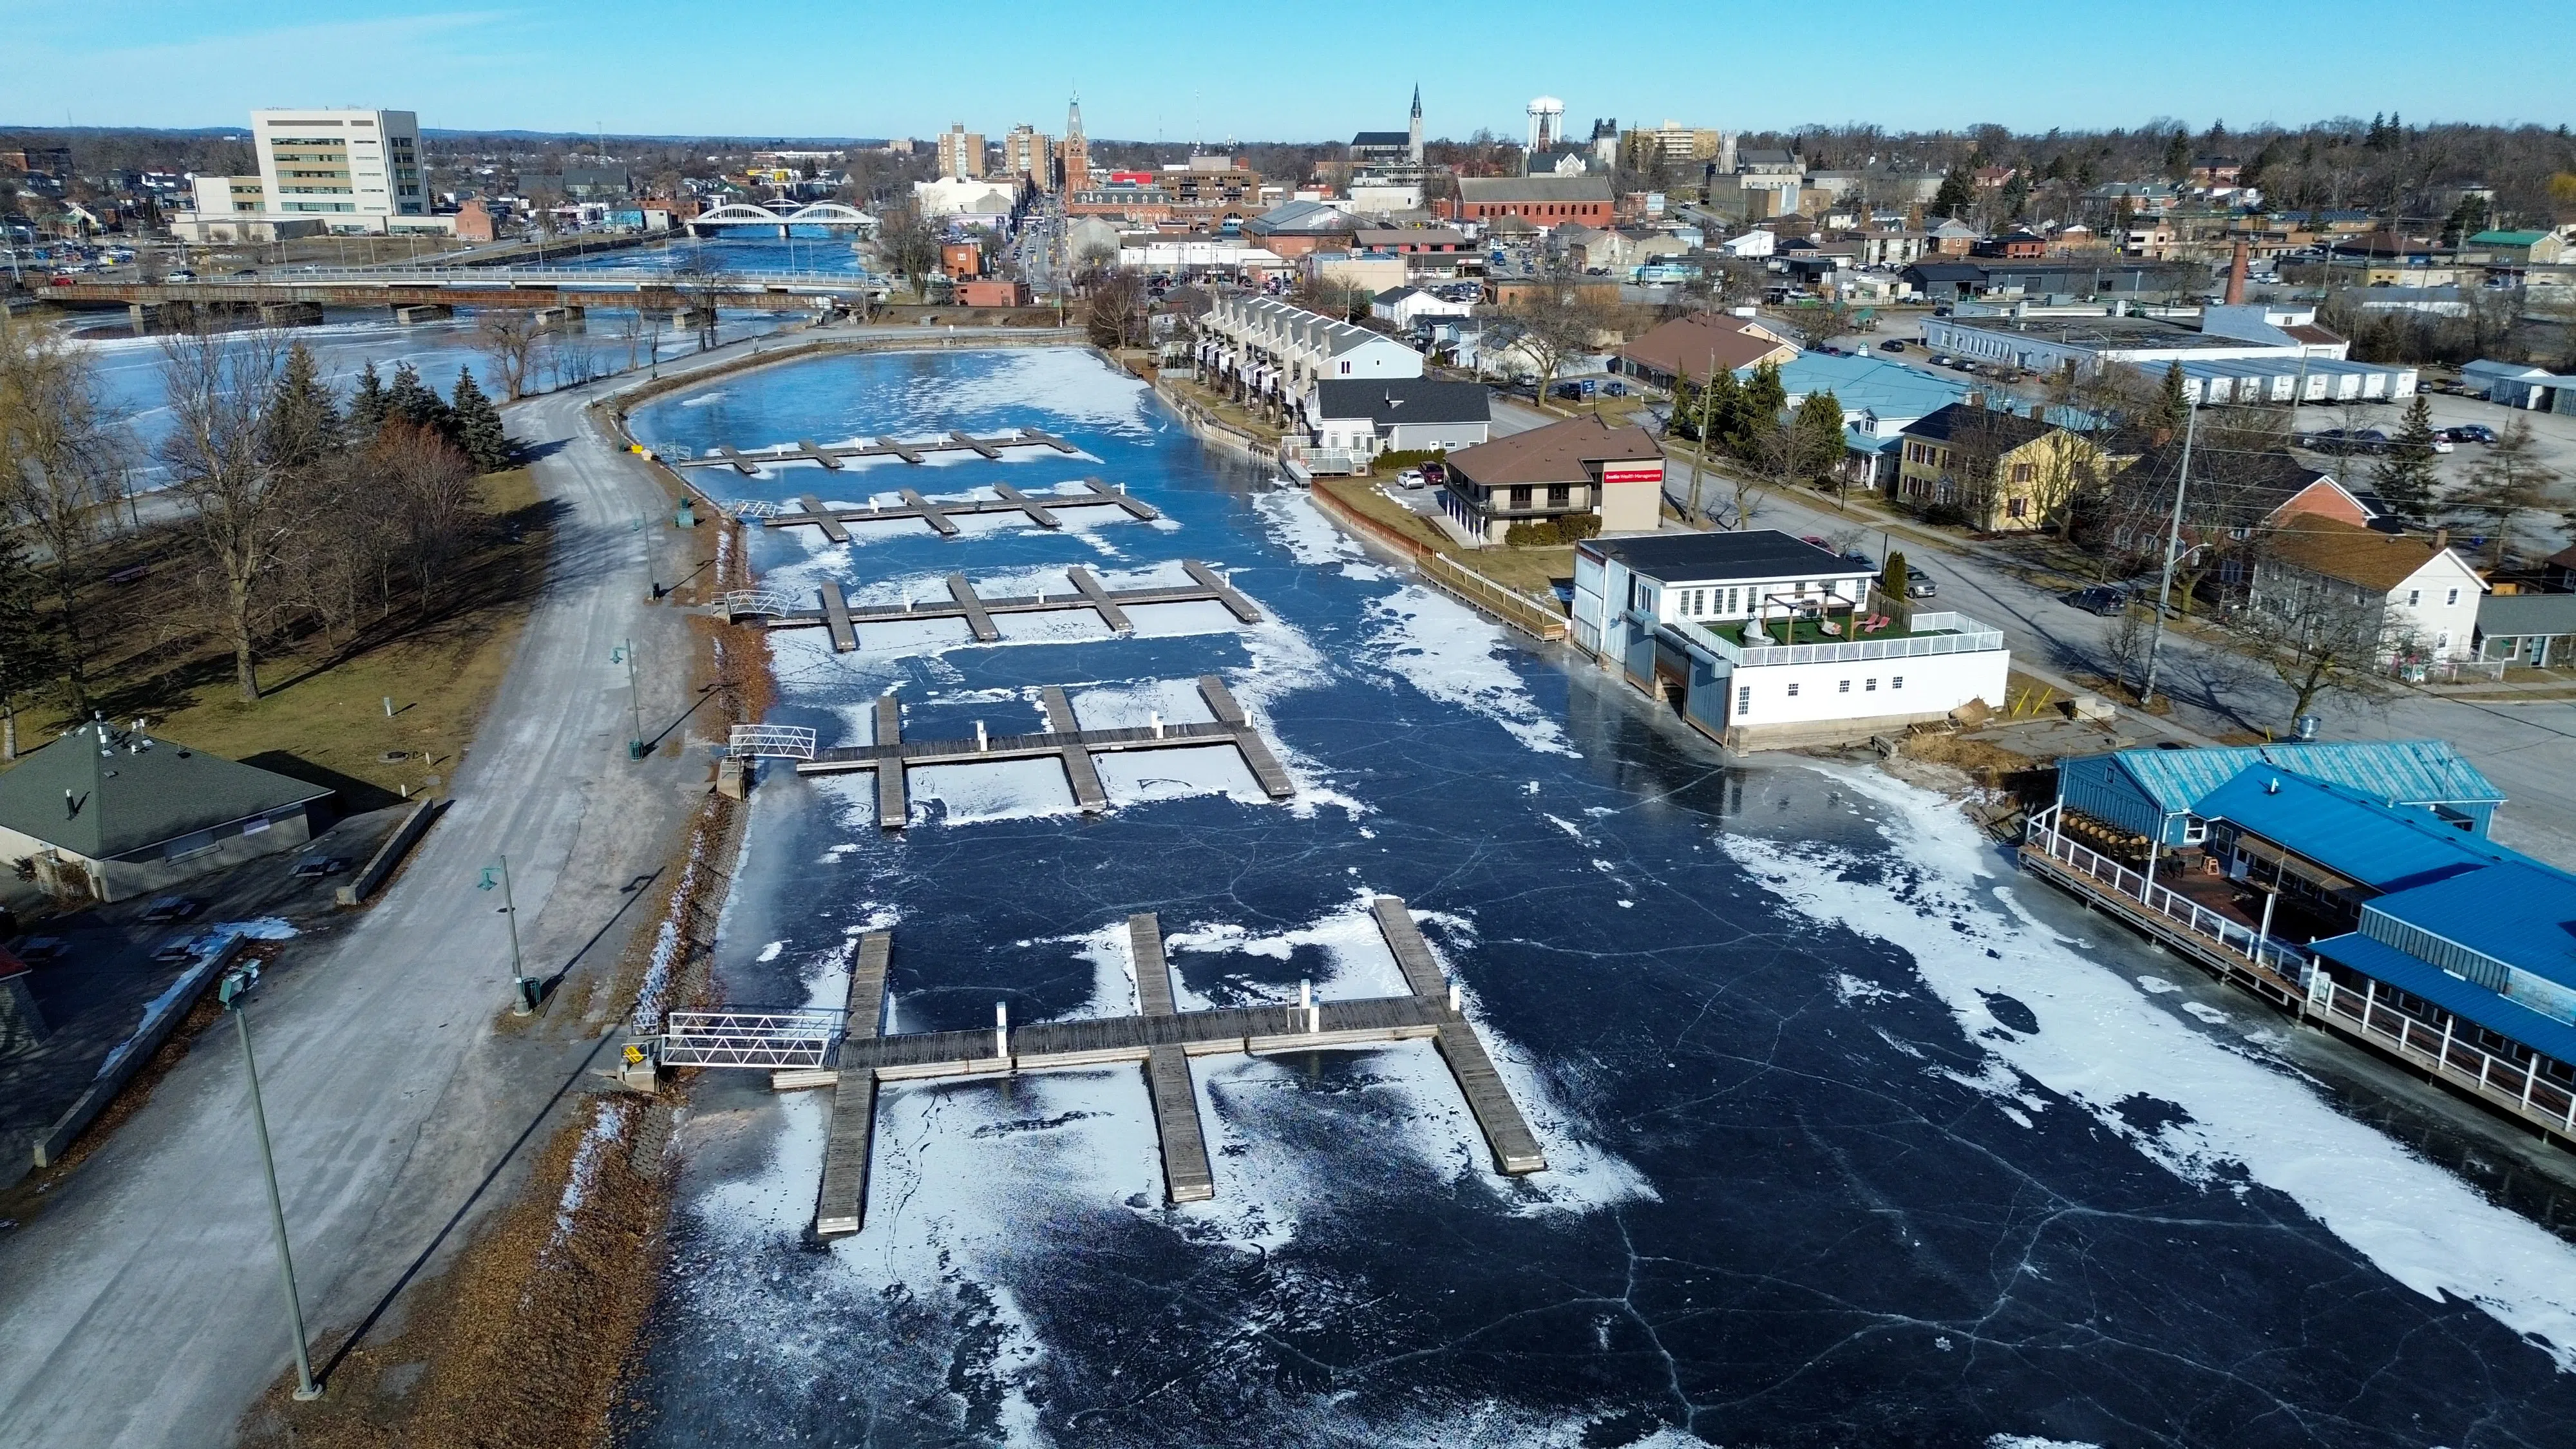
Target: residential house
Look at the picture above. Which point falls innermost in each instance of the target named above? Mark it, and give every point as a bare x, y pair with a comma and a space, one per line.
2412, 594
1398, 415
1697, 346
2237, 500
2558, 572
2001, 472
1951, 237
1404, 306
2534, 630
112, 814
1880, 398
1760, 640
1579, 467
1887, 247
1268, 352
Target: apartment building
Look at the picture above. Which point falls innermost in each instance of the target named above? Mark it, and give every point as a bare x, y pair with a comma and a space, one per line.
1029, 154
961, 153
1267, 352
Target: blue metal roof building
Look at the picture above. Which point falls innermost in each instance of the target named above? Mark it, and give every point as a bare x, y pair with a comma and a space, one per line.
2153, 793
2382, 848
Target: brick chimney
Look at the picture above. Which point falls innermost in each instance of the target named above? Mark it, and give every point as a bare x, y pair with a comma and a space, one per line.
2441, 539
2236, 274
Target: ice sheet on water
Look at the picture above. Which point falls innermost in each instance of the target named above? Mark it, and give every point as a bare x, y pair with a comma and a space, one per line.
1059, 626
1003, 790
1450, 653
2102, 1041
1136, 777
1291, 519
1058, 382
1170, 621
902, 638
1134, 705
1359, 964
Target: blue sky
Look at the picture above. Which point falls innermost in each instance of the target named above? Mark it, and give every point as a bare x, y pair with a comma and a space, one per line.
1149, 70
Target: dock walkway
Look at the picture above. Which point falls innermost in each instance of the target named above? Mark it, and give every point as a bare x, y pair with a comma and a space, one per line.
1039, 509
1082, 591
1162, 1041
804, 451
891, 755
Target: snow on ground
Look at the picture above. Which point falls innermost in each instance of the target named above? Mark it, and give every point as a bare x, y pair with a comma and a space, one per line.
1450, 652
2102, 1042
1295, 524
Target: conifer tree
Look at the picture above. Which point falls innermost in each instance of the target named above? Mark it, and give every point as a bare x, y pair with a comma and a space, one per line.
2173, 407
302, 425
479, 433
367, 404
2404, 477
413, 402
1819, 426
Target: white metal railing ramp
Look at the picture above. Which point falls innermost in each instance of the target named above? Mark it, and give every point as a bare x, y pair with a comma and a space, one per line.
770, 742
750, 603
766, 1040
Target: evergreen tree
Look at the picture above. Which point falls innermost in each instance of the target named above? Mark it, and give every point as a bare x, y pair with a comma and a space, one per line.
367, 404
1819, 428
1958, 193
1892, 580
413, 402
2404, 475
303, 422
2173, 405
479, 434
30, 653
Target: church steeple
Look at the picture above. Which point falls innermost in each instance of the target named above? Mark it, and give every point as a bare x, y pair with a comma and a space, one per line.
1416, 133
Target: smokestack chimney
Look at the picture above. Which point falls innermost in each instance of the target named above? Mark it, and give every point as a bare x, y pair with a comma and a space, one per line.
2441, 539
2236, 274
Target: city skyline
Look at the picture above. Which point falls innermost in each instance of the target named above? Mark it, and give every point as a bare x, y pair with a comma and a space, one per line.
1160, 75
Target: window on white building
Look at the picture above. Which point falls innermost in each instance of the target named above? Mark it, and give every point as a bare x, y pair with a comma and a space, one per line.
2414, 597
1845, 689
2454, 598
1793, 689
1869, 687
1897, 682
1743, 698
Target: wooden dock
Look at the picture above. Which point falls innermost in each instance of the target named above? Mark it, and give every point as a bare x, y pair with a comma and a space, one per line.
1082, 591
1040, 509
804, 451
842, 1200
1162, 1041
891, 756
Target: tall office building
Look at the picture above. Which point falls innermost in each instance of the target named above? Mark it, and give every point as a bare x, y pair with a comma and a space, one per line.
350, 168
1076, 151
961, 152
1029, 152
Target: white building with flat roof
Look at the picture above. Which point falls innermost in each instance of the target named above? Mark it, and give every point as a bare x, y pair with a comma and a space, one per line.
333, 169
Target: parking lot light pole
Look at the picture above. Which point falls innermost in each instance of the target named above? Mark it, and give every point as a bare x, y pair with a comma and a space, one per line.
235, 985
2173, 546
625, 654
523, 990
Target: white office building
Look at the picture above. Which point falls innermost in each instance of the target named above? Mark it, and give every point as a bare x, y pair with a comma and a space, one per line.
321, 171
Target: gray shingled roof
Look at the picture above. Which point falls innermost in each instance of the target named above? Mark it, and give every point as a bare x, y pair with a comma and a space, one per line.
1391, 400
128, 791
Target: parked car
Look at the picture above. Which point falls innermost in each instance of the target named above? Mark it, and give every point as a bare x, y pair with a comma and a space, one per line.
1409, 478
2346, 440
1859, 556
1918, 584
2102, 599
1435, 474
2468, 433
172, 908
2441, 444
182, 274
1891, 345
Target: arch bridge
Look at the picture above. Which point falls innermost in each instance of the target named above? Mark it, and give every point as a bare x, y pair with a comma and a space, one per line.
817, 213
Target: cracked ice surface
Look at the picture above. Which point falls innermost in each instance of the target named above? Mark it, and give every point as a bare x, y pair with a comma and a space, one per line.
1822, 1171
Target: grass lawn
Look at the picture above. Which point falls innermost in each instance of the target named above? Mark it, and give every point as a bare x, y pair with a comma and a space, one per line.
321, 716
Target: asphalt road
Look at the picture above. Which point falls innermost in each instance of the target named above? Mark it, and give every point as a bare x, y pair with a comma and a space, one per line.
141, 1307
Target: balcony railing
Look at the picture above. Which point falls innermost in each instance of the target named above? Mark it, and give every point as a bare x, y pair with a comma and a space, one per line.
1934, 633
2289, 977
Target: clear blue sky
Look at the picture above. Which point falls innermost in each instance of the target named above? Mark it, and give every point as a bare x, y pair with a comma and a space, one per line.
1148, 69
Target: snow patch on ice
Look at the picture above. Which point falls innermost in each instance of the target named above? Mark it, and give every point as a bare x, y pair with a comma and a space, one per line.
1451, 653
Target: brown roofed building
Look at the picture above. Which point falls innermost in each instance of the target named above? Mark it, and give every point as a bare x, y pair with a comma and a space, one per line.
1697, 345
1579, 467
2417, 596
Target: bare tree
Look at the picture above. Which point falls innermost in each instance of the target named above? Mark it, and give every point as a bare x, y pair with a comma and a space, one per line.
701, 279
2318, 635
2508, 483
243, 500
1115, 310
62, 451
1554, 321
908, 244
508, 338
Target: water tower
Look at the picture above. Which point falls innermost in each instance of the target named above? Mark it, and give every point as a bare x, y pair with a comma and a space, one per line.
1546, 123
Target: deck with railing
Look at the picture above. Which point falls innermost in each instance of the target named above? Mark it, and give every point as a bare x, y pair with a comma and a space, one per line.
2289, 977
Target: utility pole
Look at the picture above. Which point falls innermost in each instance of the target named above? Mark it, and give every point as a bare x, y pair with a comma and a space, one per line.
2173, 547
625, 654
523, 989
235, 985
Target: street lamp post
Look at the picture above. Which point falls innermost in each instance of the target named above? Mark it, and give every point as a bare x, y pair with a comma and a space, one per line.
523, 989
625, 654
2173, 547
235, 985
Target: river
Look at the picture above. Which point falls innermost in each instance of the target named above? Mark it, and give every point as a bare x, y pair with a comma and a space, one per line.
1855, 1136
